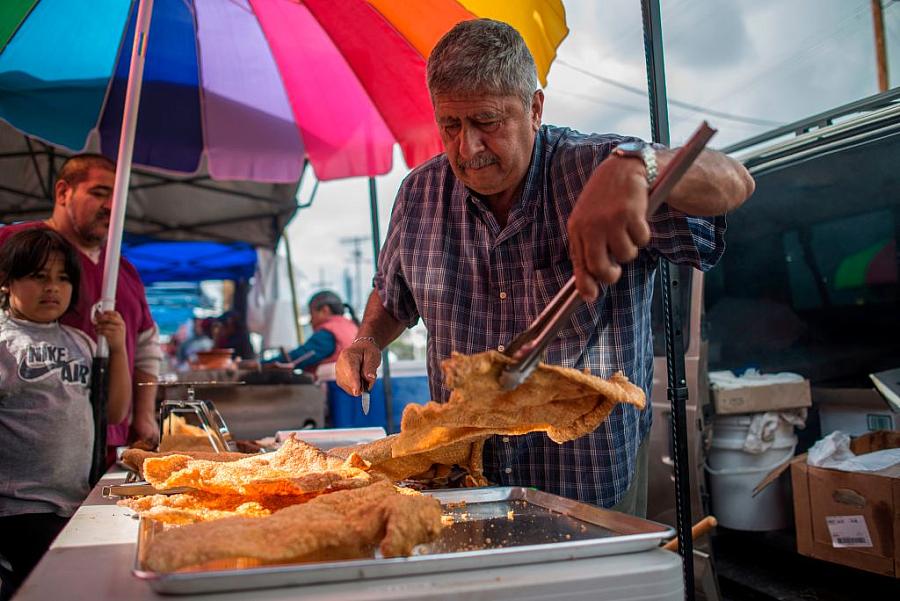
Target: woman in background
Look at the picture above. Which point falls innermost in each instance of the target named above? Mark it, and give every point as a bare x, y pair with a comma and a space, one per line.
332, 332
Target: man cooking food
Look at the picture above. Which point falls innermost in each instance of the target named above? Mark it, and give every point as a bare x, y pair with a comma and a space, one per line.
483, 236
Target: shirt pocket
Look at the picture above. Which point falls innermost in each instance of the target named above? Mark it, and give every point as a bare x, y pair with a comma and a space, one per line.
578, 329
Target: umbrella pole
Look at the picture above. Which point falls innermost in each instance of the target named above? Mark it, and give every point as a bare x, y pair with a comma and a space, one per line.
672, 309
117, 223
385, 360
290, 269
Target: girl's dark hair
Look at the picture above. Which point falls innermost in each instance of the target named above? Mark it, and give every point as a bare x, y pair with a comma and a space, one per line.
27, 252
327, 298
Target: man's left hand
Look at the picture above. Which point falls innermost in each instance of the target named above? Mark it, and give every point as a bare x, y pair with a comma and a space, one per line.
608, 224
146, 429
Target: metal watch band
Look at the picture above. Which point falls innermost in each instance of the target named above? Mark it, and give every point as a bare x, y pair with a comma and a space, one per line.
648, 154
644, 151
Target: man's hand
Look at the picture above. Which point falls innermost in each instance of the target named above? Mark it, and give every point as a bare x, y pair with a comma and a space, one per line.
145, 429
143, 420
362, 357
608, 224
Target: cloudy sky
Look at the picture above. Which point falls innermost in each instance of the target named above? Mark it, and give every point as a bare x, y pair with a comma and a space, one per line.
747, 66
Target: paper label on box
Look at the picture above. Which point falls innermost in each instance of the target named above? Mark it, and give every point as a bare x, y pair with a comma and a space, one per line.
848, 531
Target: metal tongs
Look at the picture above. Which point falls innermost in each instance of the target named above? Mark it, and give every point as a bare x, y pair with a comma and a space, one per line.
527, 348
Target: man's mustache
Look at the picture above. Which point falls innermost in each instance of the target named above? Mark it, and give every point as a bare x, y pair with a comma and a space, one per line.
478, 161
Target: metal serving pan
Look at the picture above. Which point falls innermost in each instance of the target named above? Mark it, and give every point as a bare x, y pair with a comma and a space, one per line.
492, 527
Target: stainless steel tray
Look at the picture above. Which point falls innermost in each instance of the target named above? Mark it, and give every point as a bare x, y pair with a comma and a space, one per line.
493, 527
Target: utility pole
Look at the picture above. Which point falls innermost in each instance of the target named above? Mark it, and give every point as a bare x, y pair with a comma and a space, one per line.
880, 48
322, 281
356, 242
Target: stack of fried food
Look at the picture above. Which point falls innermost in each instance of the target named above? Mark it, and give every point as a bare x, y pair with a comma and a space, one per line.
296, 503
223, 484
301, 503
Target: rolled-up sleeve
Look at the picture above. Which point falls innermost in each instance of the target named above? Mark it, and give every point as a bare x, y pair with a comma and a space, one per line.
389, 281
681, 239
147, 352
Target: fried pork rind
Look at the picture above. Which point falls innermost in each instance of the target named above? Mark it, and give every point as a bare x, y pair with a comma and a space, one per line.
428, 465
178, 435
296, 468
198, 506
565, 403
342, 525
134, 458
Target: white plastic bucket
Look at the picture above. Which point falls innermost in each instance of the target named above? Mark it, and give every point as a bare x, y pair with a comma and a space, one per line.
733, 473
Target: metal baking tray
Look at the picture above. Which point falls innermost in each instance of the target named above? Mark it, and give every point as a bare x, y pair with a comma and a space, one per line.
329, 438
492, 527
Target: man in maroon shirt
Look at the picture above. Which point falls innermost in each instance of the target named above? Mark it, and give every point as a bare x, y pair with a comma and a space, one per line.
83, 198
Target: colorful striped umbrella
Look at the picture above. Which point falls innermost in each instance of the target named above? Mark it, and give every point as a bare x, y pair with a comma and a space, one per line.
252, 86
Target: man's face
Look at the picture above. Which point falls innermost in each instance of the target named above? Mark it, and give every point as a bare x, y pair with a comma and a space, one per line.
87, 205
488, 139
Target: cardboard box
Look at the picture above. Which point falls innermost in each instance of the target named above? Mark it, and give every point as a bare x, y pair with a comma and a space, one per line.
827, 502
755, 399
854, 411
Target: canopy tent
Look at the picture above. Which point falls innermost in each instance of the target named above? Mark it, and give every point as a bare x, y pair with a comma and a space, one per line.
162, 206
189, 261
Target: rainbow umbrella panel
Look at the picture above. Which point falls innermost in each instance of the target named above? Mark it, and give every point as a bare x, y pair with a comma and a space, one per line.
245, 89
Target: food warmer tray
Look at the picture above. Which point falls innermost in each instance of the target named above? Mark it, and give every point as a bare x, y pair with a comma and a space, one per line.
492, 527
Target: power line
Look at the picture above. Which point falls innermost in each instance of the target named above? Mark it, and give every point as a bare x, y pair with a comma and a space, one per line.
672, 101
812, 42
621, 105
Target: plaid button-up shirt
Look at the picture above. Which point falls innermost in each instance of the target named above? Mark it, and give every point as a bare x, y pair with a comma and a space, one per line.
476, 286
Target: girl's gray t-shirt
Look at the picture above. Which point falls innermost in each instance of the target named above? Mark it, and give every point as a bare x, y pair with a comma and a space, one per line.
46, 424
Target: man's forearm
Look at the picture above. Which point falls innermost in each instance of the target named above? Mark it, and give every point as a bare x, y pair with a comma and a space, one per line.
378, 323
144, 396
714, 185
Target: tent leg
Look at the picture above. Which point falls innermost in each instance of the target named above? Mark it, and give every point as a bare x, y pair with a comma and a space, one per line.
672, 309
385, 360
117, 217
293, 284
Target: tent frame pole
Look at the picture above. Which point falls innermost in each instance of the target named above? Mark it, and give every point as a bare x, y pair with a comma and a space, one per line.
677, 390
290, 272
385, 359
100, 374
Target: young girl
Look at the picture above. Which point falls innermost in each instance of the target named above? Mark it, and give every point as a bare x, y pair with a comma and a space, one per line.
46, 425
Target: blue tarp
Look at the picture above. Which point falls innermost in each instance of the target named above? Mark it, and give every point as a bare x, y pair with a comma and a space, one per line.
181, 261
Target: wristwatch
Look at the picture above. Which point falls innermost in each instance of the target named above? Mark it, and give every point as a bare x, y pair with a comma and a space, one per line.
643, 151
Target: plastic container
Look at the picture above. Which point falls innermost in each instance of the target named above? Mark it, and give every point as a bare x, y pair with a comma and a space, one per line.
733, 473
409, 384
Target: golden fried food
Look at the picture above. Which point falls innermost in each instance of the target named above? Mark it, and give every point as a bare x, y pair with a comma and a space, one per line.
134, 458
565, 403
427, 465
179, 435
296, 468
185, 442
199, 506
341, 525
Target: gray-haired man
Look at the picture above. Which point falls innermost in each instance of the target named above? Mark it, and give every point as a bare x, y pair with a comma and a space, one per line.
484, 235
